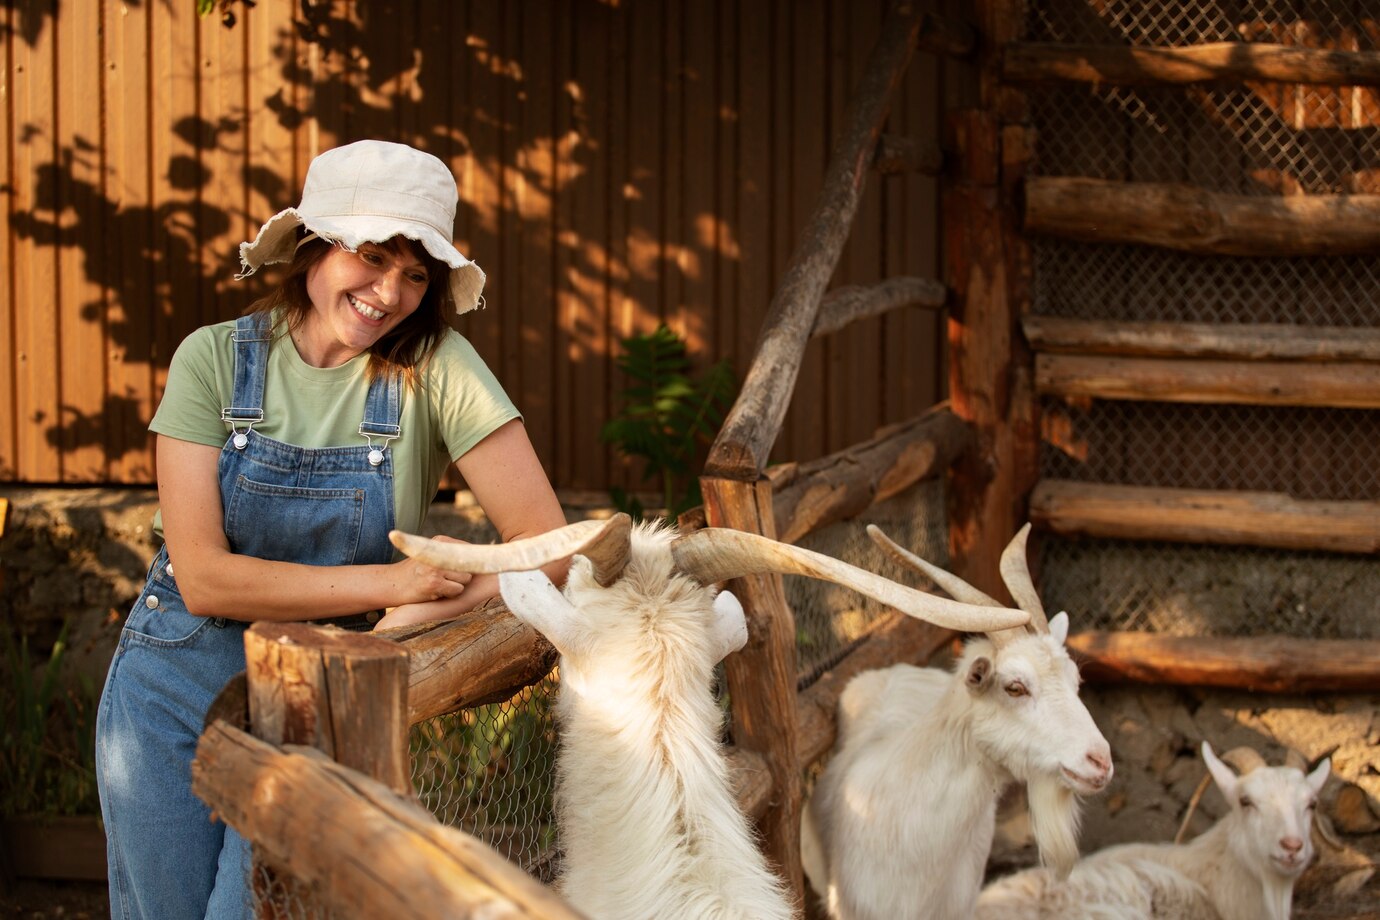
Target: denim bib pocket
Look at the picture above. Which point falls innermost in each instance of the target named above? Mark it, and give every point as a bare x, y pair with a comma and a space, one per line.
290, 523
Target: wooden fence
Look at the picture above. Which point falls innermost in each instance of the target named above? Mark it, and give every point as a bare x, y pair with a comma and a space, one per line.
621, 164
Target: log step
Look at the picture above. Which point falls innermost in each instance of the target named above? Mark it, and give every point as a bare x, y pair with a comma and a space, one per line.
1341, 384
1191, 219
1266, 519
1270, 664
1120, 65
1243, 342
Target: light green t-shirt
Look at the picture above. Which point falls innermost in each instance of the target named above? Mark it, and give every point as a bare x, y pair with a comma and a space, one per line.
457, 403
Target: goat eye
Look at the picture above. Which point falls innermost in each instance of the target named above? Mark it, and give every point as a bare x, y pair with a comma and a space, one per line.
1247, 803
1016, 688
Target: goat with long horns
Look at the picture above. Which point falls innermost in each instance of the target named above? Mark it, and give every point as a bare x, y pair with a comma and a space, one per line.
647, 819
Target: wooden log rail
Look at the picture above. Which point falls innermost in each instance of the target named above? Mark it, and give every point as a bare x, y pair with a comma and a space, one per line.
1267, 664
362, 849
1191, 219
1202, 516
1120, 65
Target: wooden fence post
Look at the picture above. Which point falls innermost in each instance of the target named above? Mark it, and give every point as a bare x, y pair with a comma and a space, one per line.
761, 677
342, 693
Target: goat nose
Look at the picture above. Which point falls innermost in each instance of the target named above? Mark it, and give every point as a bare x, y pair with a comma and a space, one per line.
1100, 760
1291, 844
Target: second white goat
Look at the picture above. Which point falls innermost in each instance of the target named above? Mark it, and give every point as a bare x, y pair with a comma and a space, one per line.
901, 821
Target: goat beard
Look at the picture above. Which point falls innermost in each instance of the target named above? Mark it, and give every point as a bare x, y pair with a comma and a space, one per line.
1055, 815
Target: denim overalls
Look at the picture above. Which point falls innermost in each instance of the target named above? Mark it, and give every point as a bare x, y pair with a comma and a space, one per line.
329, 506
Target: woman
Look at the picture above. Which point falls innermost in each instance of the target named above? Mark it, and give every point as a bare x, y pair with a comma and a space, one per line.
290, 442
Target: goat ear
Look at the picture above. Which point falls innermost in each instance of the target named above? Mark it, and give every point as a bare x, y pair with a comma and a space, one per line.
979, 675
533, 599
1222, 774
1059, 627
1318, 777
730, 626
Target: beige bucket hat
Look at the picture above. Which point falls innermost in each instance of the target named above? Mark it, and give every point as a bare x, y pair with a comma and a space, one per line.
369, 192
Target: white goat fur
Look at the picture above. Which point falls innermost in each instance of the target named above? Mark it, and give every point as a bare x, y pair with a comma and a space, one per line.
900, 822
649, 825
1243, 868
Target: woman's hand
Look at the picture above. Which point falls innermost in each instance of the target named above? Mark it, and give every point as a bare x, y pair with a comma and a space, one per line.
417, 583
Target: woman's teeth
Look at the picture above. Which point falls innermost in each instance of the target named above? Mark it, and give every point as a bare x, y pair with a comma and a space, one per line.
364, 311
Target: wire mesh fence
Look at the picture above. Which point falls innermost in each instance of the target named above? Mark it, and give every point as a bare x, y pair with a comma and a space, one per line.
1252, 139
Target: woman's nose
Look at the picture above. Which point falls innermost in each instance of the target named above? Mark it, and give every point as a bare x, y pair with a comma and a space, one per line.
387, 285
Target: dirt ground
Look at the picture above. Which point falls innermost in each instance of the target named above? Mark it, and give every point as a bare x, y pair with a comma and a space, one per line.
33, 899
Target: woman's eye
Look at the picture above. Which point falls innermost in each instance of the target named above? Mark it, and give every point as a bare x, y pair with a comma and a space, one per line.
417, 277
372, 258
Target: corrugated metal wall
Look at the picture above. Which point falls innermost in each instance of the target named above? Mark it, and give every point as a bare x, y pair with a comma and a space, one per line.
621, 163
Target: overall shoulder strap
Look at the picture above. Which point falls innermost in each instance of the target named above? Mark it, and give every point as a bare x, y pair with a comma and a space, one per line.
251, 337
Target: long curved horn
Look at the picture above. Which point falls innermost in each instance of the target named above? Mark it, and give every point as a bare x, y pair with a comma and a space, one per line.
719, 554
1015, 572
604, 543
957, 587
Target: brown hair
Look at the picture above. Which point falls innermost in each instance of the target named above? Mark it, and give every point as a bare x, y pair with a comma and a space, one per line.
403, 349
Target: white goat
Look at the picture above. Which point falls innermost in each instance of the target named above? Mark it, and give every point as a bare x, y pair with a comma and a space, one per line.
649, 824
1243, 868
901, 821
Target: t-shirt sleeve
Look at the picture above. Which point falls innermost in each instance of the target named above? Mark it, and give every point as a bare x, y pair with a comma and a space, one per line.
191, 404
468, 401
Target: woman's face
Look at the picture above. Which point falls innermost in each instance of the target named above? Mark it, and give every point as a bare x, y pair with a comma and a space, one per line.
357, 298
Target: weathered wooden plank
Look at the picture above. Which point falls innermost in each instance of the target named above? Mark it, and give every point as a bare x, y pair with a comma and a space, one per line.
1262, 664
752, 425
847, 483
900, 155
1191, 219
1205, 516
34, 237
1251, 342
532, 185
127, 263
363, 849
9, 304
1120, 65
81, 225
1262, 383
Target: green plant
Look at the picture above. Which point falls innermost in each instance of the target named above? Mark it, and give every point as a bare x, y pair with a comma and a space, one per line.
668, 418
47, 745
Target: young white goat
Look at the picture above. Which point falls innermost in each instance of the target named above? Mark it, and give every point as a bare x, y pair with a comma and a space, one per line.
648, 822
1243, 868
900, 822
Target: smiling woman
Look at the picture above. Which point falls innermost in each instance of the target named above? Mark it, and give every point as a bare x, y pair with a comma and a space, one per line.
290, 442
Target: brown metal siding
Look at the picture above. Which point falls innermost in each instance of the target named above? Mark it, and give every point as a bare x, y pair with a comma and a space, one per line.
620, 164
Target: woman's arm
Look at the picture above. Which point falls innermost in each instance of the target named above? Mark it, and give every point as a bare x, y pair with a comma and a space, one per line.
507, 480
215, 582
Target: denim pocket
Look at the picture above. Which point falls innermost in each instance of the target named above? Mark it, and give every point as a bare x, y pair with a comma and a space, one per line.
294, 524
160, 617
